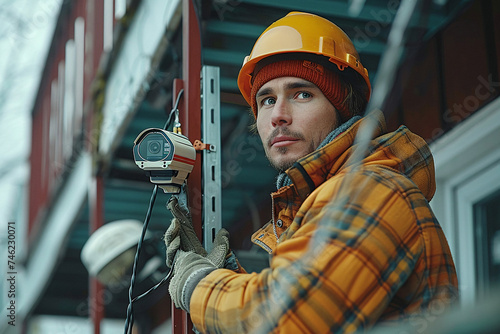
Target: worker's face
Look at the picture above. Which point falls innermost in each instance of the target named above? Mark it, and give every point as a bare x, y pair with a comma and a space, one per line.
293, 118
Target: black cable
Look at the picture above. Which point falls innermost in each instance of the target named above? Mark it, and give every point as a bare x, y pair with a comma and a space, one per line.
129, 322
173, 111
156, 286
130, 319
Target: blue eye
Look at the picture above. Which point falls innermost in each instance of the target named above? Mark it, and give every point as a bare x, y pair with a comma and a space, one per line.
304, 95
268, 101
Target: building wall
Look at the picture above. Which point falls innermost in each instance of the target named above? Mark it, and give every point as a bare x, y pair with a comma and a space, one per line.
448, 92
450, 77
61, 120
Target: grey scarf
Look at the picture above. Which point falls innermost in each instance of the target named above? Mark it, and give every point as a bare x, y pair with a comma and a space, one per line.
283, 179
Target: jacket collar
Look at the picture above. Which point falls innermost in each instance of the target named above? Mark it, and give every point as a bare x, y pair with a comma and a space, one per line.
312, 170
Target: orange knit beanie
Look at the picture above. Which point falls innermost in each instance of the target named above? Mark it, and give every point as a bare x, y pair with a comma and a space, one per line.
327, 81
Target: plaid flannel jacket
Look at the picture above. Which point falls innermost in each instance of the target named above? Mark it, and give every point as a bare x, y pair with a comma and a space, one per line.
351, 247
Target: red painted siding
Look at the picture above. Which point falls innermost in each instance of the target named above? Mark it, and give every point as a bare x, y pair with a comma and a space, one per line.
57, 133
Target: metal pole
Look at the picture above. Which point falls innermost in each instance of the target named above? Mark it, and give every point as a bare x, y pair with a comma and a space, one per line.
96, 289
190, 115
177, 314
94, 26
212, 189
190, 118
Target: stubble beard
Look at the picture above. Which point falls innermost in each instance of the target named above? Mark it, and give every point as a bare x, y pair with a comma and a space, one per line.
282, 165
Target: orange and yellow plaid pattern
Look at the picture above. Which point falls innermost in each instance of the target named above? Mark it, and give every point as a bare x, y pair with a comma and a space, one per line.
355, 247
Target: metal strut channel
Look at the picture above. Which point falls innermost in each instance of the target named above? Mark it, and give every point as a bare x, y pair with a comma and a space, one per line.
211, 174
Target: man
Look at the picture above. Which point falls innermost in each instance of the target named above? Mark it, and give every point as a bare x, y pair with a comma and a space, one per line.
353, 243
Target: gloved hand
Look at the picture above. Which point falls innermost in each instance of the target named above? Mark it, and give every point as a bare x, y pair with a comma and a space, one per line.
180, 234
190, 268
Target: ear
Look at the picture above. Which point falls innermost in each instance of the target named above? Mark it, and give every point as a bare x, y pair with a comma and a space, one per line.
253, 126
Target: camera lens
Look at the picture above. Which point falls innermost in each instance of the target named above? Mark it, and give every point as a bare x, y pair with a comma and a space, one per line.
154, 148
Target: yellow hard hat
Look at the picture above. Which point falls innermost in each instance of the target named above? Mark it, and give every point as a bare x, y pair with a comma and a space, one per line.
302, 32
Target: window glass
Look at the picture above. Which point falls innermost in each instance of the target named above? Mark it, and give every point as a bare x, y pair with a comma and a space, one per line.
487, 239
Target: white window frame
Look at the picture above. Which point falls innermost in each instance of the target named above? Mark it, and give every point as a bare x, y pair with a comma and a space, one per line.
467, 161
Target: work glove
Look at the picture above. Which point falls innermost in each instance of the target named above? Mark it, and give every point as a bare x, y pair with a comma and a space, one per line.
180, 234
190, 268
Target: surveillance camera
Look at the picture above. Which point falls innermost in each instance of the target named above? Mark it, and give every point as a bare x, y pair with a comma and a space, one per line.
167, 157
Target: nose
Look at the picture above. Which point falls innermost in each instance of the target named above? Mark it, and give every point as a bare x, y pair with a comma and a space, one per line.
281, 114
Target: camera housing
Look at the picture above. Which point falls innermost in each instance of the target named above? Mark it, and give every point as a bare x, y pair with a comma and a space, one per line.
167, 157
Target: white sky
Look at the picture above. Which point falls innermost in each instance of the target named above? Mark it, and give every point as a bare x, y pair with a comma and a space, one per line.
26, 28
